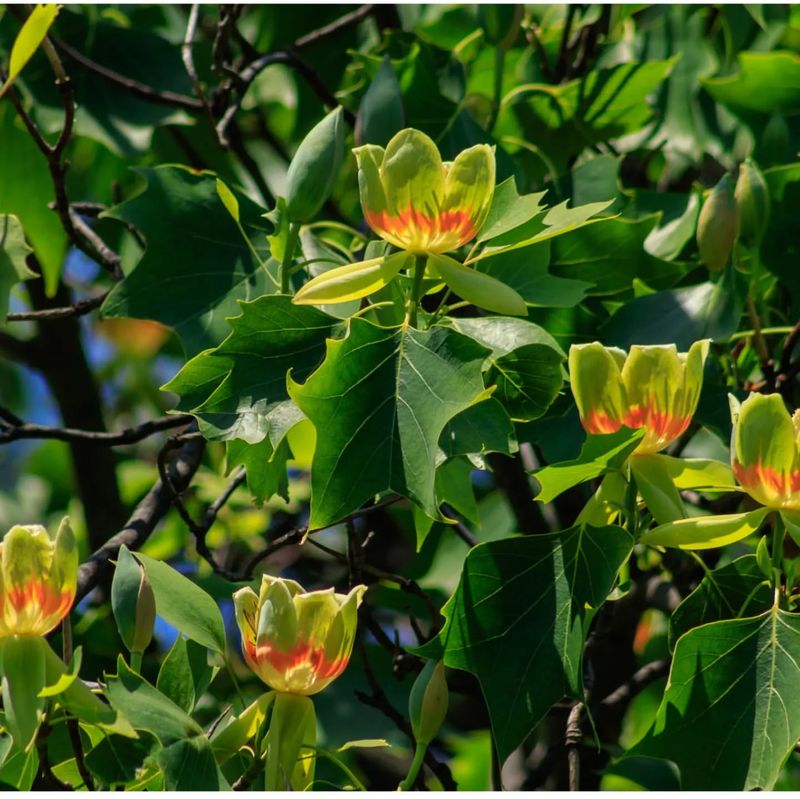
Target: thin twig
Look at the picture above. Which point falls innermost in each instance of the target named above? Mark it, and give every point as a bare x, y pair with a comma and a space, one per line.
572, 742
13, 431
74, 732
80, 308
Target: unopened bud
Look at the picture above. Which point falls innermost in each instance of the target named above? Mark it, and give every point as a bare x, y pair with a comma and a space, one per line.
500, 23
753, 198
132, 602
427, 705
718, 225
313, 171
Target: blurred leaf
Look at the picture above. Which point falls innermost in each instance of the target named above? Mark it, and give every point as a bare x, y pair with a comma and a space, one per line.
765, 83
380, 114
519, 618
680, 316
117, 759
29, 39
731, 691
25, 191
604, 104
13, 251
196, 266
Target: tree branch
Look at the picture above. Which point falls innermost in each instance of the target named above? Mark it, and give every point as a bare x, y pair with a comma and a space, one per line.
144, 518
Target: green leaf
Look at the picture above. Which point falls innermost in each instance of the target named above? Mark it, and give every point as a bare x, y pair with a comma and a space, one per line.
526, 363
250, 401
31, 35
147, 708
731, 591
25, 191
676, 224
13, 251
482, 428
518, 620
766, 83
604, 104
731, 711
175, 679
526, 271
190, 766
116, 759
380, 114
379, 403
509, 210
557, 221
196, 265
705, 532
610, 256
185, 606
228, 739
265, 466
698, 474
657, 489
598, 454
680, 316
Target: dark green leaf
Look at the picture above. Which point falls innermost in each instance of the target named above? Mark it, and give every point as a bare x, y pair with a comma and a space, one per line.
116, 759
681, 316
526, 363
379, 403
269, 337
197, 265
380, 114
731, 712
734, 590
125, 595
266, 467
519, 618
480, 429
190, 766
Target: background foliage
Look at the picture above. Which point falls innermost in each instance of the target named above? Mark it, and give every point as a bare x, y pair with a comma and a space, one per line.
122, 270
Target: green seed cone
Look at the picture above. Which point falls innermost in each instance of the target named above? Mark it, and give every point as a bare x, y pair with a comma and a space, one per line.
718, 225
427, 704
753, 198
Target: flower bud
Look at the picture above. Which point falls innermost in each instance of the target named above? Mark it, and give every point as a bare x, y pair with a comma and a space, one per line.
500, 23
427, 704
753, 198
718, 226
314, 168
133, 602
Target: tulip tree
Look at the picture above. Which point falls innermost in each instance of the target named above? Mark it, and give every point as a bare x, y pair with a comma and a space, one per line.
399, 397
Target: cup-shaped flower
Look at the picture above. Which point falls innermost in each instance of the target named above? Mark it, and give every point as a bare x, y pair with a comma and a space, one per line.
38, 579
765, 451
654, 387
419, 204
297, 642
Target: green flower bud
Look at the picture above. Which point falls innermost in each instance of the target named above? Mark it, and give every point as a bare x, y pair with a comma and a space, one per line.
427, 704
500, 23
718, 225
314, 168
753, 198
133, 602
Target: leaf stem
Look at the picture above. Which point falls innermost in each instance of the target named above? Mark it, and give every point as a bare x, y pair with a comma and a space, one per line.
288, 255
416, 765
136, 662
416, 290
777, 550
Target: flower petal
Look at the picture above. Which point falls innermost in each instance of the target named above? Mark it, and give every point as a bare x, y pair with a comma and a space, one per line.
596, 381
469, 188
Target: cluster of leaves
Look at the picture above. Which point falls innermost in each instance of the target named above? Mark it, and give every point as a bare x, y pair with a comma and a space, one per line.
173, 176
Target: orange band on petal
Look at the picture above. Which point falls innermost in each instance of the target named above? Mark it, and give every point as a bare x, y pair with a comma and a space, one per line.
599, 422
428, 233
